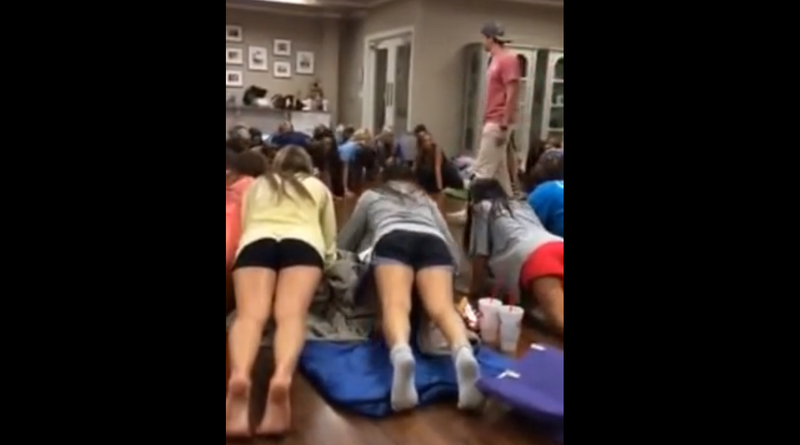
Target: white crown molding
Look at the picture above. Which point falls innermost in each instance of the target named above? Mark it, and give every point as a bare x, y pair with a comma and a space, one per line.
551, 3
275, 8
359, 10
327, 3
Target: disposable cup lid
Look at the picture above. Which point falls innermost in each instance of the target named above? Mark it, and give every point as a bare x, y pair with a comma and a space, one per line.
490, 301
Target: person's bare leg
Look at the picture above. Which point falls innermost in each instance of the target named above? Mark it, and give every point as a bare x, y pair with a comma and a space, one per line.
549, 293
394, 283
295, 290
435, 285
253, 288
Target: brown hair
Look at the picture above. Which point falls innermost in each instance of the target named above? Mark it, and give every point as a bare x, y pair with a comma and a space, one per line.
398, 172
424, 155
237, 145
290, 162
250, 163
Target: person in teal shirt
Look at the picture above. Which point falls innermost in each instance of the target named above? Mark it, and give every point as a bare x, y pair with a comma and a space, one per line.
547, 201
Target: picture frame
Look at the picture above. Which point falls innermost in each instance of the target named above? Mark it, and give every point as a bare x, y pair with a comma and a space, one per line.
282, 69
304, 62
282, 47
234, 56
257, 58
234, 33
234, 79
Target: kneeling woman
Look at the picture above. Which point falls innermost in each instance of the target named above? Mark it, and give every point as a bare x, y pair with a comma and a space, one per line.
289, 230
412, 246
507, 238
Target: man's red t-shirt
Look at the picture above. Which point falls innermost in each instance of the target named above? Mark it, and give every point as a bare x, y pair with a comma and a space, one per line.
503, 70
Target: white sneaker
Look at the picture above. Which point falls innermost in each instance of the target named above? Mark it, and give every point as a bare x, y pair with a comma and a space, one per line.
458, 217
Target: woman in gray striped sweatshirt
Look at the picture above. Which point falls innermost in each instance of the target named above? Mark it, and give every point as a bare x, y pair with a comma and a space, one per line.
411, 245
507, 238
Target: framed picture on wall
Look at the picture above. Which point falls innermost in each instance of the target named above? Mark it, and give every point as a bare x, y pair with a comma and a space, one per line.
234, 56
257, 58
233, 33
282, 47
233, 79
282, 69
304, 62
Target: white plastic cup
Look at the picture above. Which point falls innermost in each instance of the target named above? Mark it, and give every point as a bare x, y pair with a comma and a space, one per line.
510, 327
489, 321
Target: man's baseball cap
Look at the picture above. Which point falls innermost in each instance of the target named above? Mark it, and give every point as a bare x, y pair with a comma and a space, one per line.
495, 31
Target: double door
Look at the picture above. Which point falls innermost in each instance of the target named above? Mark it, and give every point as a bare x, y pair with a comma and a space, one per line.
391, 62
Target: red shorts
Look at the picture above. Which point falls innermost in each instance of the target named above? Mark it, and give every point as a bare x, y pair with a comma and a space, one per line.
546, 261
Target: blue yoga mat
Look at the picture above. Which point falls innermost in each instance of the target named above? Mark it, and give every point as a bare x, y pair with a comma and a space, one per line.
358, 376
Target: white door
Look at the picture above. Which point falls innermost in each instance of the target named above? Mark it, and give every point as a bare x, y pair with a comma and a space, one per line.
390, 63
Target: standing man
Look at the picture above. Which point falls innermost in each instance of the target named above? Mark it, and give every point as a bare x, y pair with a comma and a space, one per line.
502, 92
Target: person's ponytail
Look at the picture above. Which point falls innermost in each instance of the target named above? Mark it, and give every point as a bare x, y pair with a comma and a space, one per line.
291, 163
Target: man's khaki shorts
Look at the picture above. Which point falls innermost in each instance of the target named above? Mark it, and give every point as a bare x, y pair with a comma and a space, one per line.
492, 159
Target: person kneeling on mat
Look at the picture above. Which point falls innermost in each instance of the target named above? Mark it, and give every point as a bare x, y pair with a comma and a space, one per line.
352, 158
412, 245
507, 237
434, 172
289, 230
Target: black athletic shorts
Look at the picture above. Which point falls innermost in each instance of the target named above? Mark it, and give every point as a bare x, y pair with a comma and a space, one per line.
276, 255
413, 249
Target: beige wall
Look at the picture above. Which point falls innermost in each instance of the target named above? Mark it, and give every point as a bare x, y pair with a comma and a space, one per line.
442, 29
320, 35
394, 15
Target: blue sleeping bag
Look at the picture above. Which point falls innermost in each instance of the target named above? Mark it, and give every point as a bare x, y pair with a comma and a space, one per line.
358, 376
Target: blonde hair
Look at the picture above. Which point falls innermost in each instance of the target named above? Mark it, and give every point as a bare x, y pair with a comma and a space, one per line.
361, 136
290, 163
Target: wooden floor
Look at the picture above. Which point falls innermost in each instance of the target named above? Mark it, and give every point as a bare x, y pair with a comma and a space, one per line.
316, 423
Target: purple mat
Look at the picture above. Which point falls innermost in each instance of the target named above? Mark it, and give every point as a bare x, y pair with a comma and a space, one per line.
533, 387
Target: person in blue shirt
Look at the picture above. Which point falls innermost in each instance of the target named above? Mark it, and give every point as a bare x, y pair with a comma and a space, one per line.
348, 159
547, 201
287, 136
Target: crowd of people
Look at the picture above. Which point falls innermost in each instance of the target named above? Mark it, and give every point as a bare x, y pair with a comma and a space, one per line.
285, 186
286, 234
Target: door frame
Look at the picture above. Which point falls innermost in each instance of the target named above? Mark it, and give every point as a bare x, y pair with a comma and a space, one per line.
368, 80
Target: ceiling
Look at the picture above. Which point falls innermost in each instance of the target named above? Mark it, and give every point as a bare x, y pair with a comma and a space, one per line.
336, 8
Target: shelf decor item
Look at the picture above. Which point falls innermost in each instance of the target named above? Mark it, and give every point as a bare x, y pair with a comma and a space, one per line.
234, 56
281, 47
257, 58
304, 62
233, 79
233, 33
282, 69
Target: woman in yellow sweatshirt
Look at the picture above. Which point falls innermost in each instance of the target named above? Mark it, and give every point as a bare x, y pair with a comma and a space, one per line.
288, 235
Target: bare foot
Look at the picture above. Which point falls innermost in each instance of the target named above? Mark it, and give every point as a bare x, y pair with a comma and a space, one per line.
278, 416
237, 409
